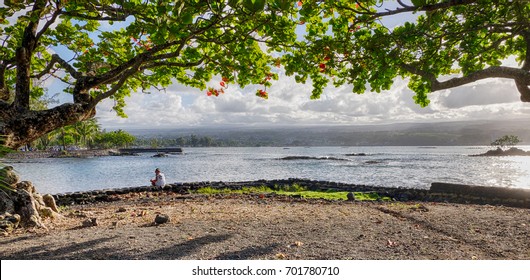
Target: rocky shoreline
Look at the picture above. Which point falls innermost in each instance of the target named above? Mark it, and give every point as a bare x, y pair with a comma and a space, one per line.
439, 192
503, 153
62, 154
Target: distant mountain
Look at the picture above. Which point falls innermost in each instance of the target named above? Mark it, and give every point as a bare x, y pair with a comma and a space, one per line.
400, 134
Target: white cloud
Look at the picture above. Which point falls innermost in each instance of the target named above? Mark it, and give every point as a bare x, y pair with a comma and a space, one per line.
289, 103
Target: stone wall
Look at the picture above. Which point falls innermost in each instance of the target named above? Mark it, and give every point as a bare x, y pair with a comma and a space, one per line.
439, 192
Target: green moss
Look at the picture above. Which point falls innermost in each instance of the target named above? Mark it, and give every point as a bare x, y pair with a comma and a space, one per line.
295, 190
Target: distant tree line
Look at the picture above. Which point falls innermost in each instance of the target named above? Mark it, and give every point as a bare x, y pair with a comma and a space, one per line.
82, 135
182, 141
194, 140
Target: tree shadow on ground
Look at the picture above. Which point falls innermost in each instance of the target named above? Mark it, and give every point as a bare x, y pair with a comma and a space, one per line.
248, 253
181, 250
81, 250
455, 236
17, 239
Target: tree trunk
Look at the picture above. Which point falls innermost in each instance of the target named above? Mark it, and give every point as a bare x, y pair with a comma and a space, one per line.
19, 126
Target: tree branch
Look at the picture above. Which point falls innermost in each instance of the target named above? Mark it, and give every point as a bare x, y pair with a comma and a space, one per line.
408, 9
491, 72
112, 91
526, 64
171, 64
66, 66
56, 13
108, 13
524, 88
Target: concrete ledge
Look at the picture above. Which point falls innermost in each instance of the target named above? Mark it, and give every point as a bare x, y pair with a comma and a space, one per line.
459, 193
480, 191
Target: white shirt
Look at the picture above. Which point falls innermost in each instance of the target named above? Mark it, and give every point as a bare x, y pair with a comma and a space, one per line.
160, 180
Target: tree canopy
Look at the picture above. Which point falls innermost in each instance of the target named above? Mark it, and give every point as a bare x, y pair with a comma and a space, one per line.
100, 49
438, 45
506, 141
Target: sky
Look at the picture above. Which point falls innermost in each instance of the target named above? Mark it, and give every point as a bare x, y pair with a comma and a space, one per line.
289, 103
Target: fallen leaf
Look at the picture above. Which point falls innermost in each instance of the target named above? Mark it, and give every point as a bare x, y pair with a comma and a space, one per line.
281, 256
391, 244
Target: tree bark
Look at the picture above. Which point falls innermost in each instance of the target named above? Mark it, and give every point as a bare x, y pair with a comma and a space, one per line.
23, 126
24, 54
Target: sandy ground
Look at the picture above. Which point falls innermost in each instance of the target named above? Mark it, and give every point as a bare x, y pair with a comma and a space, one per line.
254, 227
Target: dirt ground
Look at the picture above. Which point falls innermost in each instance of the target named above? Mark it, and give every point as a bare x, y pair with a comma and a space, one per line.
257, 227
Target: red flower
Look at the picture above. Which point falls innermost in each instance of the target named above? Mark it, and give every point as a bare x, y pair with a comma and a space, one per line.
263, 94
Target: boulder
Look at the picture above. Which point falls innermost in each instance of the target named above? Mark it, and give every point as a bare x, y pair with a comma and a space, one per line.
350, 196
47, 212
25, 185
9, 176
7, 204
49, 201
90, 222
38, 199
28, 209
8, 223
23, 206
161, 219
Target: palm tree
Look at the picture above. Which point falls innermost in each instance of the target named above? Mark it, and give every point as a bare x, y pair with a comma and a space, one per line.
65, 136
47, 139
87, 130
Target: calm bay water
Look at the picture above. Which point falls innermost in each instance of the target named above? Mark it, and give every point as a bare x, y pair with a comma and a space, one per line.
413, 167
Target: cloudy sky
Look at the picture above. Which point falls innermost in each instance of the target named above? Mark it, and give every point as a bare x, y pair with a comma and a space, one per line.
289, 104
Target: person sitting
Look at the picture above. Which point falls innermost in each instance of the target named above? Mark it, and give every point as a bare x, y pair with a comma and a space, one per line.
159, 180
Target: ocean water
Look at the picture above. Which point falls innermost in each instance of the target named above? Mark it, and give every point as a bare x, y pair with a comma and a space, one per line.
412, 167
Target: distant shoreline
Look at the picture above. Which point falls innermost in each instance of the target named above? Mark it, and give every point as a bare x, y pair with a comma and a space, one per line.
87, 153
59, 154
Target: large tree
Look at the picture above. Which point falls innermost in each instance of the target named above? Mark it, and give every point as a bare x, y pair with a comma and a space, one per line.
103, 49
438, 44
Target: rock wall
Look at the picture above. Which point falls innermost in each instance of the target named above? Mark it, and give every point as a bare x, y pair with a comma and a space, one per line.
439, 192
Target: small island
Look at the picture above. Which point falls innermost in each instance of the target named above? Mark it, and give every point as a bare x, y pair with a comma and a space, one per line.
504, 142
499, 152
